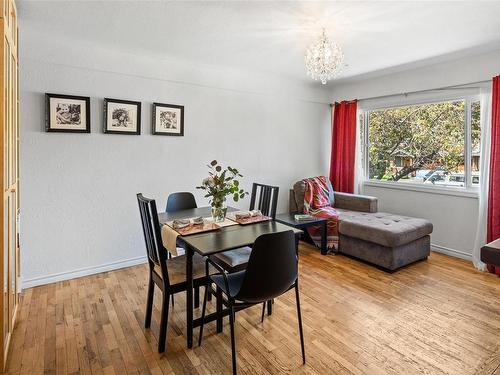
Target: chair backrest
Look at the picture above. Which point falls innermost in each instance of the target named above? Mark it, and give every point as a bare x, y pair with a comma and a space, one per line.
267, 200
180, 201
157, 254
272, 268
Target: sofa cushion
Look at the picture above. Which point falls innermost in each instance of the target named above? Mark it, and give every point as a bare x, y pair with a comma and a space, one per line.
346, 214
299, 189
383, 228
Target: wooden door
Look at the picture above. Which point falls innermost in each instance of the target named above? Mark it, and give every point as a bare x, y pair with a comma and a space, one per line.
9, 134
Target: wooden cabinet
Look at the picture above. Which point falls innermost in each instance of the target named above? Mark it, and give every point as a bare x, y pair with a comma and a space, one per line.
9, 155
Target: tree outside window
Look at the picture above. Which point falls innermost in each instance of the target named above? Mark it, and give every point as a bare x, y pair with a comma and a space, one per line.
425, 144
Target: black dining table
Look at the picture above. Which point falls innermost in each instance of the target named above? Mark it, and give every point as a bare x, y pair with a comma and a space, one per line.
209, 243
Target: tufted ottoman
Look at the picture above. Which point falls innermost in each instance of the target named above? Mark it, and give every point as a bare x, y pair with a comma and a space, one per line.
386, 240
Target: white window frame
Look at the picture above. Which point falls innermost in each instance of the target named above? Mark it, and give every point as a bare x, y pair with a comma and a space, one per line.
469, 190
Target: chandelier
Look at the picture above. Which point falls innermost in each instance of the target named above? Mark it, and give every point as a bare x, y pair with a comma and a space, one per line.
324, 59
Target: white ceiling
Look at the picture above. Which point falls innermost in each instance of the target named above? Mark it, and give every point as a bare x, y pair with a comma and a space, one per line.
272, 36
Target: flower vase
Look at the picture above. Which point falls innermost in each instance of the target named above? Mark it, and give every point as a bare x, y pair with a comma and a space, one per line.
219, 210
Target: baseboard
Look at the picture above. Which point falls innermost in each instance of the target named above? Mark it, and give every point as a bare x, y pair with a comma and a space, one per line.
451, 252
68, 275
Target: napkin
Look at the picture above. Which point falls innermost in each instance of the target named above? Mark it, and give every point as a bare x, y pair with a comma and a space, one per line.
169, 239
197, 220
246, 214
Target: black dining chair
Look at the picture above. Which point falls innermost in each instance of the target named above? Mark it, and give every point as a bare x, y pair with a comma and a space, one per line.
263, 198
271, 271
183, 200
168, 274
180, 201
267, 200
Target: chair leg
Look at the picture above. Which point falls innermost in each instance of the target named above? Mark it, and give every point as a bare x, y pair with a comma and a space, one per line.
209, 291
233, 344
149, 303
270, 307
299, 315
163, 323
203, 309
263, 311
196, 297
172, 300
218, 303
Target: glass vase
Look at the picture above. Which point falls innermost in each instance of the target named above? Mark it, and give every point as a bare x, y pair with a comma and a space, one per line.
219, 210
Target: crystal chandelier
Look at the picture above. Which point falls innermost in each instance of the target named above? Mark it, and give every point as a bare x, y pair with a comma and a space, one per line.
324, 59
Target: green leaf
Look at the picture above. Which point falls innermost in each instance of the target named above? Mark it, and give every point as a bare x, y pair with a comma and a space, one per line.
235, 197
213, 163
242, 196
236, 183
218, 168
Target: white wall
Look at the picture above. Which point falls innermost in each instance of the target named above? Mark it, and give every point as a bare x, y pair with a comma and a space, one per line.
454, 217
79, 210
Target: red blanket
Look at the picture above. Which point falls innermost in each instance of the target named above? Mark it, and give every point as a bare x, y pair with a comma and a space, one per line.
317, 203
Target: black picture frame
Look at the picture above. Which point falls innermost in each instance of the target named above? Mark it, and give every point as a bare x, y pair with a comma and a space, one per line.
175, 107
108, 102
51, 113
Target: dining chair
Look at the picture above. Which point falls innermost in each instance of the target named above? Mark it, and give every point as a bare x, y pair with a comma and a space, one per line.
180, 201
263, 198
169, 275
267, 199
272, 270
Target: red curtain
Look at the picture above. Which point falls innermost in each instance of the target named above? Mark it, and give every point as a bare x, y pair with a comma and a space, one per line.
343, 146
493, 230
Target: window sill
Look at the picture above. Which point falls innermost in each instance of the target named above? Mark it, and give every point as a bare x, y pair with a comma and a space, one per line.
458, 192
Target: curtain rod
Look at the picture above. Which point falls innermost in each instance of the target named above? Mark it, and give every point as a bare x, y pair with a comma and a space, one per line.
421, 91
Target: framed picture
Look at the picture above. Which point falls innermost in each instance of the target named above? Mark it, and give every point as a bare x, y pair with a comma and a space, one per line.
67, 113
168, 119
122, 116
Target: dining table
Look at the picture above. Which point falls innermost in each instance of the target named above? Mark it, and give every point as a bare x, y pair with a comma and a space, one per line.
210, 243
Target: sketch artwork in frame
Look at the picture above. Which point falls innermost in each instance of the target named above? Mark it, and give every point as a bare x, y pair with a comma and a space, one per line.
168, 119
67, 113
122, 116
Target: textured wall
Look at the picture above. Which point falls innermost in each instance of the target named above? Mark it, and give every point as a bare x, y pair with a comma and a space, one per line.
79, 211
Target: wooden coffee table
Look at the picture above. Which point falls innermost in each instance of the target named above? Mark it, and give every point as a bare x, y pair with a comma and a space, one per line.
289, 219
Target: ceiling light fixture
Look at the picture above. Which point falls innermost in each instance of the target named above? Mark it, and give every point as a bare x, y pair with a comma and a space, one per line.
324, 59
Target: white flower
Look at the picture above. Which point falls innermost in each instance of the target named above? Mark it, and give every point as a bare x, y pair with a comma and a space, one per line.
209, 181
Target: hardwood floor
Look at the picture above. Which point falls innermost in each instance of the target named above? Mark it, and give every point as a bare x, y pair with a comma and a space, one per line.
434, 317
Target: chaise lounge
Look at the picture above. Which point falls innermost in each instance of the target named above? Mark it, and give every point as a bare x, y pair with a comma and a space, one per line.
386, 240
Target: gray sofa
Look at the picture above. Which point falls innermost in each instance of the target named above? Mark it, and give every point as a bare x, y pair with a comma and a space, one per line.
385, 240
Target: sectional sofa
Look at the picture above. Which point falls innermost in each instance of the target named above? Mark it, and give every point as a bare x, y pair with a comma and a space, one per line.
386, 240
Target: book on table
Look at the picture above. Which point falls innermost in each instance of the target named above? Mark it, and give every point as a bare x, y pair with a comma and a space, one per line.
303, 217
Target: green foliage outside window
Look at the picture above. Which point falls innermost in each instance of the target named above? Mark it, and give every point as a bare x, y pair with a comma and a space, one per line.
430, 137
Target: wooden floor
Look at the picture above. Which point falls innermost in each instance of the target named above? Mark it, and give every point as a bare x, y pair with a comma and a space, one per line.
434, 317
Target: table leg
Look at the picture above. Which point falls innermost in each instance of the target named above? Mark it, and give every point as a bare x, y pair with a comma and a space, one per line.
324, 229
189, 295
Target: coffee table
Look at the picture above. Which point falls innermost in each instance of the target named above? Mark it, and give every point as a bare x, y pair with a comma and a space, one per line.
289, 219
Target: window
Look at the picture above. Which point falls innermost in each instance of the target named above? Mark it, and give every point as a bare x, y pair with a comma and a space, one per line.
425, 144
